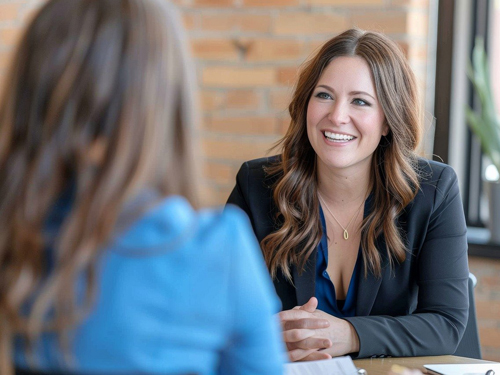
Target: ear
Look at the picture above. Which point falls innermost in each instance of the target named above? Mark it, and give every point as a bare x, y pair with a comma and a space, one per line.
385, 129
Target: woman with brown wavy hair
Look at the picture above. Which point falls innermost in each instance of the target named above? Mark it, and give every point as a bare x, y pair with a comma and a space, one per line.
365, 241
104, 265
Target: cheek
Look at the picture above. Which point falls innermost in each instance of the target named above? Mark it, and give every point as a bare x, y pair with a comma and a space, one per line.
315, 114
310, 120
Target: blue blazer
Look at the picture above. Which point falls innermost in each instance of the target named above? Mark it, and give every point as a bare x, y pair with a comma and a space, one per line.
418, 307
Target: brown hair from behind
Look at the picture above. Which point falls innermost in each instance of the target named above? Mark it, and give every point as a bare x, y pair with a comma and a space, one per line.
99, 97
394, 177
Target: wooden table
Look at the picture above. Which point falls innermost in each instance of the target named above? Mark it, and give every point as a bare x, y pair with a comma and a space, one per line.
381, 366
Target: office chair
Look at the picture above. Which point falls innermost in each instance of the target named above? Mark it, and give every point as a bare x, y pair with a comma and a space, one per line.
469, 345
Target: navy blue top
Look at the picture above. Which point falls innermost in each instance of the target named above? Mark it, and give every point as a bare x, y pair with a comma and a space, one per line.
325, 290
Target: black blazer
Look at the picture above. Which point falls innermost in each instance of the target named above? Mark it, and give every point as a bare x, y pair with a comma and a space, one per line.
417, 308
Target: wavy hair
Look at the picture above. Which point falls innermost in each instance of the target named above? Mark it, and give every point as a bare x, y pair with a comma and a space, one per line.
107, 75
394, 178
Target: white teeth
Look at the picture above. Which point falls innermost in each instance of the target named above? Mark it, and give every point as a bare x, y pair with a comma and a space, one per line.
338, 137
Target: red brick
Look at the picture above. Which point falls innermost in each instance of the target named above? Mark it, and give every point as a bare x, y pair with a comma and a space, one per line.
215, 49
281, 99
488, 309
255, 22
411, 3
219, 22
309, 24
270, 3
273, 50
189, 20
490, 337
213, 3
237, 77
212, 100
389, 22
219, 173
282, 125
242, 99
213, 195
490, 354
234, 149
236, 22
287, 75
346, 3
241, 125
314, 46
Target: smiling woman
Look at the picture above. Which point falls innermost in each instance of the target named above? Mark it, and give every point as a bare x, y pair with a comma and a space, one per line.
345, 121
365, 241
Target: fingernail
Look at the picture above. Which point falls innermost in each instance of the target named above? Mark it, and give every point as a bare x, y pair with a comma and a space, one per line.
326, 343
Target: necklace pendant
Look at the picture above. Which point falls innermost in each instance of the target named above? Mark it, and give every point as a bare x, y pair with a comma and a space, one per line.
346, 235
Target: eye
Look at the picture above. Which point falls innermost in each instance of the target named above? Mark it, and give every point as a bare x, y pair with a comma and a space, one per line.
361, 102
323, 95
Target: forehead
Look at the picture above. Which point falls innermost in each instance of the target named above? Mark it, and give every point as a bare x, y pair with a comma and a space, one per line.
350, 72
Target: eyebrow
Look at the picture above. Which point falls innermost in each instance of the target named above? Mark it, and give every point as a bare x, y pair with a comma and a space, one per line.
351, 93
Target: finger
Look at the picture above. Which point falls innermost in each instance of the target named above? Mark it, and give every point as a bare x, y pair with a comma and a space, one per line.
298, 354
310, 343
317, 356
311, 305
294, 314
295, 335
308, 323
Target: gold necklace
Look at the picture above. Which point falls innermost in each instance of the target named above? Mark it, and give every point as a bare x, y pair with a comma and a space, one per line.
346, 233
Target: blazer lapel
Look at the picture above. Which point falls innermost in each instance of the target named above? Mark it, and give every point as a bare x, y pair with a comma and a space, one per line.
305, 283
368, 287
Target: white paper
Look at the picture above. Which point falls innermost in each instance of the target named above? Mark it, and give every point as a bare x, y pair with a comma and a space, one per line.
334, 366
459, 369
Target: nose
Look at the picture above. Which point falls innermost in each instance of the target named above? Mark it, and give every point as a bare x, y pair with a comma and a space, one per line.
339, 113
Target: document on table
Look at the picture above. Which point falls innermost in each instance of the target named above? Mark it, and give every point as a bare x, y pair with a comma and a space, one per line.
465, 369
334, 366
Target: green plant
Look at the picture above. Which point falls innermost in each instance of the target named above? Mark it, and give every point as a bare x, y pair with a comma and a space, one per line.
486, 124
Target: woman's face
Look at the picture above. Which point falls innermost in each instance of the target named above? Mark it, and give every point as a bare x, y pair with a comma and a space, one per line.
345, 121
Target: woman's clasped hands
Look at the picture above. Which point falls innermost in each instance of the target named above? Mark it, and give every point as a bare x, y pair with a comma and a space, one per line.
312, 334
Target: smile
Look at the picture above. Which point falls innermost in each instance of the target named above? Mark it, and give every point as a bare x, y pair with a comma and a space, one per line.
334, 137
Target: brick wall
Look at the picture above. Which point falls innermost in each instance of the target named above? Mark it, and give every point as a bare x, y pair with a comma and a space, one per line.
247, 54
487, 295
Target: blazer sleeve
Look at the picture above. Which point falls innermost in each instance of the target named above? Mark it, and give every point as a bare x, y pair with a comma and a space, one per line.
437, 324
253, 194
240, 191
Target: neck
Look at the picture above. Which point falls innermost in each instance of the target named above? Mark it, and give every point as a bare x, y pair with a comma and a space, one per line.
343, 187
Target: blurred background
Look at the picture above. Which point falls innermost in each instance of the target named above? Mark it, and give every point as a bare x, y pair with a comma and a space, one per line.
247, 56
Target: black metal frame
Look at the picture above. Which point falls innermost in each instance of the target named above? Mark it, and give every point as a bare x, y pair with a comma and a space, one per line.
473, 183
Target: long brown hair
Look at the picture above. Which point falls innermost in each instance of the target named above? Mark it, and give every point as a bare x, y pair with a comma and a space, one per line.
87, 73
394, 165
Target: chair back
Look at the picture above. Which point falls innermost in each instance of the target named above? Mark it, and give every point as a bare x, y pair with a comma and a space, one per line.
470, 346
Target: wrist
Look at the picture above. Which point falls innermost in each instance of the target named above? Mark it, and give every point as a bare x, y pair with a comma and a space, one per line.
353, 338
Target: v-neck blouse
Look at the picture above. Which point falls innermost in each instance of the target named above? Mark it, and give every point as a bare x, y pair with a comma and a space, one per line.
325, 290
